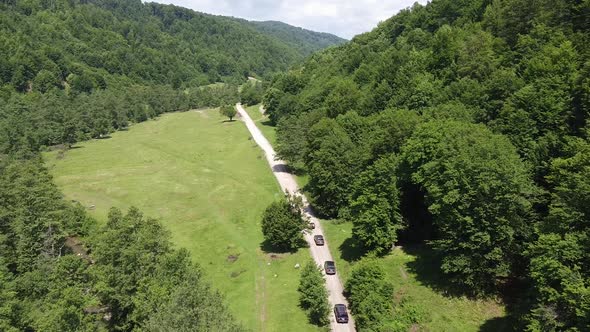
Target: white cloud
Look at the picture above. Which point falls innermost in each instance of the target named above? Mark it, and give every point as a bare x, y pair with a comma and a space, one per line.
344, 18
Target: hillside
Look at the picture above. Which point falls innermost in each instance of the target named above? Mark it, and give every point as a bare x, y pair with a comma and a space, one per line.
79, 70
107, 42
304, 41
460, 127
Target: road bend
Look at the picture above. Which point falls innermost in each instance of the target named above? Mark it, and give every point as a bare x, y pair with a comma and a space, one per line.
320, 254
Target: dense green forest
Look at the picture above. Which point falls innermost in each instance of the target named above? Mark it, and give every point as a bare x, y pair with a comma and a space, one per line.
96, 44
75, 70
461, 125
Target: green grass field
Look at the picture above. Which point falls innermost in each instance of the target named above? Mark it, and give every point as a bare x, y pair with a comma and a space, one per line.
208, 182
416, 277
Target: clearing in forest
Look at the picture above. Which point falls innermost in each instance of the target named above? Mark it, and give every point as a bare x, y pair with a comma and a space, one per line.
209, 183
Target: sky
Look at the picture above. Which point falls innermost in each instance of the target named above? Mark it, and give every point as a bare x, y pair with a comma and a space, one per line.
344, 18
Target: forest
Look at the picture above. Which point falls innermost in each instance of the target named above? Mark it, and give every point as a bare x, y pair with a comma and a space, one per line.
460, 125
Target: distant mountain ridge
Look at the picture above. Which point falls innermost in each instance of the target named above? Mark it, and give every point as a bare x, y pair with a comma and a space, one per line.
303, 40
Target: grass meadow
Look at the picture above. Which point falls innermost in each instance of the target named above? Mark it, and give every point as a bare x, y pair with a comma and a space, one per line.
208, 182
420, 290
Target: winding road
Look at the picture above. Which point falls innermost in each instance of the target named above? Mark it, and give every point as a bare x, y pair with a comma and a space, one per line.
320, 254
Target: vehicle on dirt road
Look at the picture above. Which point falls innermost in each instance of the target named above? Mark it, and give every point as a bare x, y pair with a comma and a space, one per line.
319, 240
330, 267
340, 313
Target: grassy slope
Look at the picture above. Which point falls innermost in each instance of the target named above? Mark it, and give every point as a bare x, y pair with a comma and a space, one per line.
209, 184
417, 279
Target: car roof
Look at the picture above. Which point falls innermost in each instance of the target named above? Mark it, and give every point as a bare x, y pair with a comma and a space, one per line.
340, 307
318, 236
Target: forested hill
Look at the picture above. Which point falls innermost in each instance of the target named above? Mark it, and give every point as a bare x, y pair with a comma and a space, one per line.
463, 125
73, 70
46, 43
303, 40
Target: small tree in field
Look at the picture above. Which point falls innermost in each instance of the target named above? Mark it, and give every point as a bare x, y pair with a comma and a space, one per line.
282, 223
313, 295
228, 111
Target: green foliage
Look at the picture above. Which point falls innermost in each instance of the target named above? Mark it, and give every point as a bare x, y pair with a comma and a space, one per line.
559, 260
92, 44
313, 295
292, 137
251, 93
282, 224
375, 206
229, 111
50, 282
370, 295
502, 88
477, 191
331, 162
9, 305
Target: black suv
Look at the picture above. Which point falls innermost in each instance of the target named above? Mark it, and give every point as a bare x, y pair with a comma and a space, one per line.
329, 267
340, 313
319, 240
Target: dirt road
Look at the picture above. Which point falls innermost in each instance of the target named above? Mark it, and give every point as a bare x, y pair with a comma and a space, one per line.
320, 254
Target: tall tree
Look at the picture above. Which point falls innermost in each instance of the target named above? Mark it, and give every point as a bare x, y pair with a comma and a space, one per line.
313, 295
282, 224
375, 206
477, 190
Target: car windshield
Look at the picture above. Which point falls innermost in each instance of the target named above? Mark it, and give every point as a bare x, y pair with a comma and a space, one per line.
330, 264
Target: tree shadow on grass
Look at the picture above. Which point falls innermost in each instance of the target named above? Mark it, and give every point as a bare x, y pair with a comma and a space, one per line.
499, 324
268, 248
267, 123
426, 267
349, 251
224, 121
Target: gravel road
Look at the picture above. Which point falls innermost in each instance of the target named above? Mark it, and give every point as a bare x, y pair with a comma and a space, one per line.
319, 253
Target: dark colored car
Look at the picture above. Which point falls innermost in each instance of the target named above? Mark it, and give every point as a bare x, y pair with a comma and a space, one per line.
329, 267
340, 313
319, 240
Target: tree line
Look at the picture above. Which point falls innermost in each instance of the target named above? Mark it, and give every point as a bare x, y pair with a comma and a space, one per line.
33, 121
462, 124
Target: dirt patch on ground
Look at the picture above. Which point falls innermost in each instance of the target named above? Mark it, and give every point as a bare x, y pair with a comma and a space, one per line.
275, 256
233, 258
236, 274
261, 295
202, 113
403, 273
415, 328
399, 296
